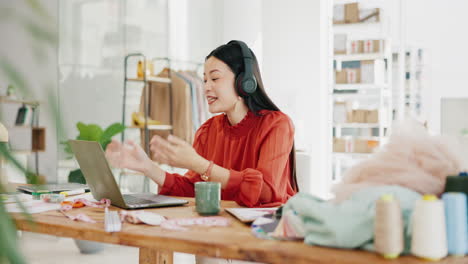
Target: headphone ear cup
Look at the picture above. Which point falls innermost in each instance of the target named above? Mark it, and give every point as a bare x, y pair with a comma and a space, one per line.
249, 85
238, 84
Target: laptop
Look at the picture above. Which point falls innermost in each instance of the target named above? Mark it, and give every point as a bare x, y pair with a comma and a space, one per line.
101, 181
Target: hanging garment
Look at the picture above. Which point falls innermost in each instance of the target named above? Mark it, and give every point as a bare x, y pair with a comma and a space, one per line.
159, 104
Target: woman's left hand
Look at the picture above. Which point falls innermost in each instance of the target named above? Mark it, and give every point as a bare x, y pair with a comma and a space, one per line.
176, 152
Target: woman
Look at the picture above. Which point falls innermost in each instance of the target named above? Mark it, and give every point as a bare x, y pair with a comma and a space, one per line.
249, 148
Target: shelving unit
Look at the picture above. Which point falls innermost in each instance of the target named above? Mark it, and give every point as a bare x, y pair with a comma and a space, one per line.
37, 133
146, 128
144, 82
372, 95
411, 92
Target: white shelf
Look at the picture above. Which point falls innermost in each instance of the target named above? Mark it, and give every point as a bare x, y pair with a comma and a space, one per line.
352, 155
7, 100
357, 125
353, 96
360, 86
360, 57
150, 79
153, 127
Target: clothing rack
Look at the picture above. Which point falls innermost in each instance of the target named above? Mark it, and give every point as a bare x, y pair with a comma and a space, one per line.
146, 109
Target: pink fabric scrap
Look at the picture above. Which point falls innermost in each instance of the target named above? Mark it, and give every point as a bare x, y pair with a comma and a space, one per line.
180, 223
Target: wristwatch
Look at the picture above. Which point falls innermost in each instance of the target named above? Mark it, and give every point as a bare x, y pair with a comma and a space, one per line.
206, 175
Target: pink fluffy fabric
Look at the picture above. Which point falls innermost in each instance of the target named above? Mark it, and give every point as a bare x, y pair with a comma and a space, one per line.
412, 158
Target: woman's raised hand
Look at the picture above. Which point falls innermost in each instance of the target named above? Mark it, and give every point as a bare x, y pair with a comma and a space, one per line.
176, 152
128, 155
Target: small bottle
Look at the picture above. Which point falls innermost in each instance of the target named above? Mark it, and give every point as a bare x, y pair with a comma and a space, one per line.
456, 222
140, 72
388, 227
429, 239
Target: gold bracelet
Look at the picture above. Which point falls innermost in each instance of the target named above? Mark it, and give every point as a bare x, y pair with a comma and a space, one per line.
206, 175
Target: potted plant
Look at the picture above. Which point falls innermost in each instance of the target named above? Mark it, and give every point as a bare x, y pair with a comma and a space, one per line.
92, 132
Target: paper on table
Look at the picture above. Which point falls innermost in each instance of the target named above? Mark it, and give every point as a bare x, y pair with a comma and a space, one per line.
250, 214
32, 206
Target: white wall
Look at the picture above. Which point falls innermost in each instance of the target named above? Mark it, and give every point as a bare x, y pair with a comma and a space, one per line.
38, 66
439, 28
295, 63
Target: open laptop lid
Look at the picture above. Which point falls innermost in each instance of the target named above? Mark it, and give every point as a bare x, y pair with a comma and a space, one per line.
96, 171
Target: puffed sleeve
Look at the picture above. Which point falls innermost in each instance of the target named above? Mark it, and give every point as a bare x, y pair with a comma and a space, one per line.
178, 185
266, 185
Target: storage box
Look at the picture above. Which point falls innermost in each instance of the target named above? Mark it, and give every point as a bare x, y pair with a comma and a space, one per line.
369, 15
352, 13
343, 145
356, 46
372, 116
365, 145
359, 116
373, 46
349, 75
340, 76
38, 139
338, 14
353, 75
339, 44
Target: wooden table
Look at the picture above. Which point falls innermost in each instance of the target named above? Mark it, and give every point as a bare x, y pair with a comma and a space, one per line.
235, 242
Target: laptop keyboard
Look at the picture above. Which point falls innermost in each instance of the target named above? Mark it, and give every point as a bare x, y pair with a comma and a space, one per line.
130, 199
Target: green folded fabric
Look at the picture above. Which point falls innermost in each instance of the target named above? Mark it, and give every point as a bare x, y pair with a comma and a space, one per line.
349, 224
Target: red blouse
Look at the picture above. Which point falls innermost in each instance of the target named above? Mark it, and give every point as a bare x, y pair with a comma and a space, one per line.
256, 151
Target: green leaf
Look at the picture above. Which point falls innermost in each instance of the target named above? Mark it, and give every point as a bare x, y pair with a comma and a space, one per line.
110, 131
66, 147
76, 176
8, 242
91, 132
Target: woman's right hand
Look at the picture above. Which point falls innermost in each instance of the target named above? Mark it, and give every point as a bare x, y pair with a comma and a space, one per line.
127, 156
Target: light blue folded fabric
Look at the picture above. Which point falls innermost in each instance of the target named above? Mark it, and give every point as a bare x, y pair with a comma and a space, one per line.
349, 224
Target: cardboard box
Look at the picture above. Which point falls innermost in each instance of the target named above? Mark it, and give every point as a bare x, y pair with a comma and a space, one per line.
353, 75
365, 145
369, 15
356, 46
339, 44
343, 145
359, 116
338, 145
349, 75
340, 76
338, 14
373, 46
372, 116
352, 13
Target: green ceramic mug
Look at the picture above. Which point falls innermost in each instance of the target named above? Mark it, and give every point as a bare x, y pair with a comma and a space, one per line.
207, 197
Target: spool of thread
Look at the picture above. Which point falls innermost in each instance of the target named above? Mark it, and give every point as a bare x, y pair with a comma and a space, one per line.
429, 239
457, 183
456, 223
388, 227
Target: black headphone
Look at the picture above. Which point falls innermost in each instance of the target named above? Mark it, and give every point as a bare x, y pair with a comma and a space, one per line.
246, 83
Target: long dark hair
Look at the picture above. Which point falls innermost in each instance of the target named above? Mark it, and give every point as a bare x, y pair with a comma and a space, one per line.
231, 54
